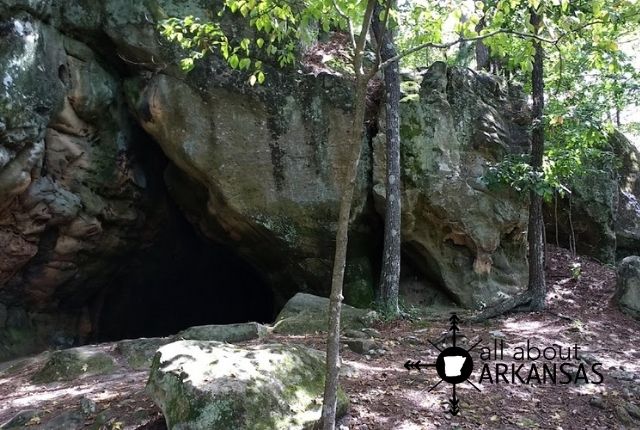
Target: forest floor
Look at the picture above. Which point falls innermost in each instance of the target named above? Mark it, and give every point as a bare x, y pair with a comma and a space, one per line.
385, 395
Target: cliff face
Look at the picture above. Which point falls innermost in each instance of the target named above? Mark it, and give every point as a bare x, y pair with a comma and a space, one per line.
471, 240
260, 169
74, 202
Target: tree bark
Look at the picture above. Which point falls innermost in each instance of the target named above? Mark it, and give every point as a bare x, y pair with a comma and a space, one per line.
390, 275
534, 298
354, 142
335, 300
537, 286
482, 50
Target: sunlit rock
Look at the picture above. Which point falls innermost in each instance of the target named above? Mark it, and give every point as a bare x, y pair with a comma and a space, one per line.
211, 385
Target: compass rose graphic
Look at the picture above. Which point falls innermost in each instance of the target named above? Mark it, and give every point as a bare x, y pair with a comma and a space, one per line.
454, 365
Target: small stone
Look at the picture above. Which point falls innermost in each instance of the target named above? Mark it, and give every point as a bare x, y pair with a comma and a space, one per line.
633, 410
355, 334
411, 340
361, 346
372, 332
88, 406
497, 334
596, 402
623, 416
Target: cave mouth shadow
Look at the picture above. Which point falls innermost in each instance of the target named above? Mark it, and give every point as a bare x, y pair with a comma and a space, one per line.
180, 282
179, 279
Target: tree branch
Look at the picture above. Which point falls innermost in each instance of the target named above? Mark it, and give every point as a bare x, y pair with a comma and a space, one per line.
362, 39
461, 40
349, 23
383, 34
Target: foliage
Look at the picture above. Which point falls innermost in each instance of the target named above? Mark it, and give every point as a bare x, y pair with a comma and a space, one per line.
576, 271
588, 79
278, 27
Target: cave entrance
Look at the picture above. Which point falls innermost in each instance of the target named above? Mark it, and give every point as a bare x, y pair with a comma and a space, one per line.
179, 279
182, 281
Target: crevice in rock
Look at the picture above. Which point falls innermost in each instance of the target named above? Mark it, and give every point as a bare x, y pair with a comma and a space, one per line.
422, 284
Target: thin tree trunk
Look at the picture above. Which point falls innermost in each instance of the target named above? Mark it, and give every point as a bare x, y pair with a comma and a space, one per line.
354, 142
536, 223
333, 336
390, 275
482, 50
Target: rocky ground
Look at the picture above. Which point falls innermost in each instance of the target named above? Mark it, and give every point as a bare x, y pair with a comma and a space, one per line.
383, 394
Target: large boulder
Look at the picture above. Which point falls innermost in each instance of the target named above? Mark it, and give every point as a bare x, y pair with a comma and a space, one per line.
628, 286
271, 187
602, 214
627, 221
468, 238
308, 314
71, 364
211, 385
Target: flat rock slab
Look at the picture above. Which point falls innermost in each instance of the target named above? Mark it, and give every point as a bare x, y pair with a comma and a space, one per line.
70, 364
213, 385
230, 333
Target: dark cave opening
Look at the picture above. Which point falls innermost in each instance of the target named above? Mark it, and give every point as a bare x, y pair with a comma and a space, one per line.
179, 279
196, 283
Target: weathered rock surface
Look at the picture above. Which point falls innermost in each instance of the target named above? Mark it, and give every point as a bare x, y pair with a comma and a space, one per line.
269, 187
258, 168
627, 220
230, 333
628, 286
306, 313
469, 239
89, 387
73, 200
603, 212
210, 385
69, 364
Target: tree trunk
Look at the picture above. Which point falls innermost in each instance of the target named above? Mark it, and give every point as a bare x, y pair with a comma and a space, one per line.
482, 50
390, 275
354, 143
536, 223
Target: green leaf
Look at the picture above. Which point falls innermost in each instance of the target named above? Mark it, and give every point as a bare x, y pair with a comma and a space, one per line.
245, 63
234, 61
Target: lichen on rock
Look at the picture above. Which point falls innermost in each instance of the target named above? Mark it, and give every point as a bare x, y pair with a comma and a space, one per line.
210, 385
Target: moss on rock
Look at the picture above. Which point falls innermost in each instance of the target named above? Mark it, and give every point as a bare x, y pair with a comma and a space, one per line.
73, 363
211, 385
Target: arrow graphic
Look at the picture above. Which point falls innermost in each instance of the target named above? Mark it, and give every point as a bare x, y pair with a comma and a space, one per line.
454, 326
454, 403
452, 355
417, 365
